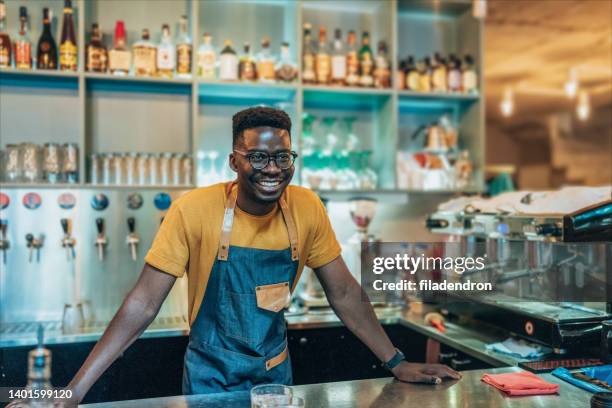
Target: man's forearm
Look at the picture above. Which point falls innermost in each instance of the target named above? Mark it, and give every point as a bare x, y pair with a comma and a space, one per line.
126, 326
354, 309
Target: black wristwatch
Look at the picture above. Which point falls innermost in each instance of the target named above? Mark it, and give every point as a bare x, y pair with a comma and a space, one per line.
395, 360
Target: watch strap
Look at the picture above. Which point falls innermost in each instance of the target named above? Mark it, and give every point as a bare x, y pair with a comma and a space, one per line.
394, 361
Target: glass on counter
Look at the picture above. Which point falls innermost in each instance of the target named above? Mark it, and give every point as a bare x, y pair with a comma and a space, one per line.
271, 395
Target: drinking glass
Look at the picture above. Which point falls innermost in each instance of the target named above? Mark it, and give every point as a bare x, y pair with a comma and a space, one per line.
164, 168
30, 162
107, 160
94, 168
12, 167
187, 169
51, 162
175, 168
142, 162
130, 168
118, 169
154, 169
70, 162
269, 395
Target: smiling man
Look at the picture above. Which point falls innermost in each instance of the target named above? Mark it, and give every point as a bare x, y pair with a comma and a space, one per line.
243, 246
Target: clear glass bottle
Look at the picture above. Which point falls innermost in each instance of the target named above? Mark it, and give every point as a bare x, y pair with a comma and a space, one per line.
286, 69
68, 44
46, 54
366, 61
247, 68
469, 76
207, 58
166, 54
6, 50
382, 72
308, 56
96, 56
352, 60
22, 44
184, 50
120, 57
265, 62
323, 59
145, 56
228, 68
338, 60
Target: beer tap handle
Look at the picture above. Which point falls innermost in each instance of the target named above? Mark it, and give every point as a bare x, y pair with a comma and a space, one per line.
30, 241
100, 225
131, 222
64, 222
3, 227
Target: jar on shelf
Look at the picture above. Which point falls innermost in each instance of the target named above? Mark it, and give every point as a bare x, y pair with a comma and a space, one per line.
51, 162
12, 165
70, 162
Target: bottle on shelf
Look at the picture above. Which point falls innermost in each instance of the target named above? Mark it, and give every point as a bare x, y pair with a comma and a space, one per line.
323, 59
96, 55
5, 39
424, 67
166, 54
22, 44
308, 57
338, 60
439, 74
469, 76
145, 56
184, 50
68, 44
366, 61
120, 57
228, 63
247, 69
207, 58
286, 69
412, 75
265, 62
382, 72
46, 53
454, 74
352, 60
400, 75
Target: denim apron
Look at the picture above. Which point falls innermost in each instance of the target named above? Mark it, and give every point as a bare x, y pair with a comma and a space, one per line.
239, 338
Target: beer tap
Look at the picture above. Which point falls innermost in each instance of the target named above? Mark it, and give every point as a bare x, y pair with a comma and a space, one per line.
4, 243
101, 240
68, 241
34, 244
132, 238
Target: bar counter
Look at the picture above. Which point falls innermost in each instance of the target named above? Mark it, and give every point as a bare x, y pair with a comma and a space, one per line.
470, 391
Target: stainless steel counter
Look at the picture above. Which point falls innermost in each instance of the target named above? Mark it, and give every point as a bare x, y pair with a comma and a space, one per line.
387, 393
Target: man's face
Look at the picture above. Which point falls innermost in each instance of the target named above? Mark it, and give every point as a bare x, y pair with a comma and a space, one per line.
265, 185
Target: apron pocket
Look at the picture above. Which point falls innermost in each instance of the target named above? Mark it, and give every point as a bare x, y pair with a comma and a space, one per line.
273, 297
236, 315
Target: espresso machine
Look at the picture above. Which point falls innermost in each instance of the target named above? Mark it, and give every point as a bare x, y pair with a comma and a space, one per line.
551, 272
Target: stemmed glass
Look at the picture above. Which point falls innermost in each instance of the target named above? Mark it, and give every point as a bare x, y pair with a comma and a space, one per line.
330, 178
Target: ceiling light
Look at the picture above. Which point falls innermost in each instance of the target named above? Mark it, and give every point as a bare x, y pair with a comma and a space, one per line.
571, 86
583, 108
507, 104
479, 8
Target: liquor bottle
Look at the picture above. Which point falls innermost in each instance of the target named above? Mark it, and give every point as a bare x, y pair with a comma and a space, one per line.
454, 74
96, 55
308, 57
22, 44
366, 61
352, 60
46, 54
382, 72
412, 76
400, 75
424, 68
265, 62
5, 40
145, 56
323, 59
338, 60
286, 69
439, 75
207, 58
184, 51
228, 67
247, 69
68, 44
166, 54
120, 58
469, 76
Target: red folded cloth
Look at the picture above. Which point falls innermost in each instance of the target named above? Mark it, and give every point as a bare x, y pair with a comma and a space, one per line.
520, 383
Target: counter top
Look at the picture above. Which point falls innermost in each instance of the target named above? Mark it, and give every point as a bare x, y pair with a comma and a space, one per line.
386, 392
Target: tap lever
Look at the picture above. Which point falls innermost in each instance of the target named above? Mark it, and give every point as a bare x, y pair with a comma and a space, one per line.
101, 238
132, 238
68, 241
131, 222
100, 225
3, 227
4, 243
64, 222
30, 244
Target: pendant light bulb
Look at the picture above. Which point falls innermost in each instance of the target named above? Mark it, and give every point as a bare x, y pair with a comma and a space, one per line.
571, 86
583, 108
507, 104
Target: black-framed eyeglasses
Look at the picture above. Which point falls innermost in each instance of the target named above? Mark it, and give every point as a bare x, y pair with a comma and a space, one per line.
259, 160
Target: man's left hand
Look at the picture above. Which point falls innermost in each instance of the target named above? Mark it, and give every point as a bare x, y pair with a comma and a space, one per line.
424, 373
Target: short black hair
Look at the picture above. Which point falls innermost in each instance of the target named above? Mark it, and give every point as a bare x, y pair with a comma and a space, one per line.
257, 117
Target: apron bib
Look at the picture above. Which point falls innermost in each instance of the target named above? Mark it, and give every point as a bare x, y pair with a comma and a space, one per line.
239, 337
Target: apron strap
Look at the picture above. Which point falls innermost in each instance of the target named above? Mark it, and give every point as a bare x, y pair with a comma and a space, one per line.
228, 222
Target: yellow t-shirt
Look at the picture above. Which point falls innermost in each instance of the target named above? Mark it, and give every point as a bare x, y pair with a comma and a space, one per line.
188, 239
